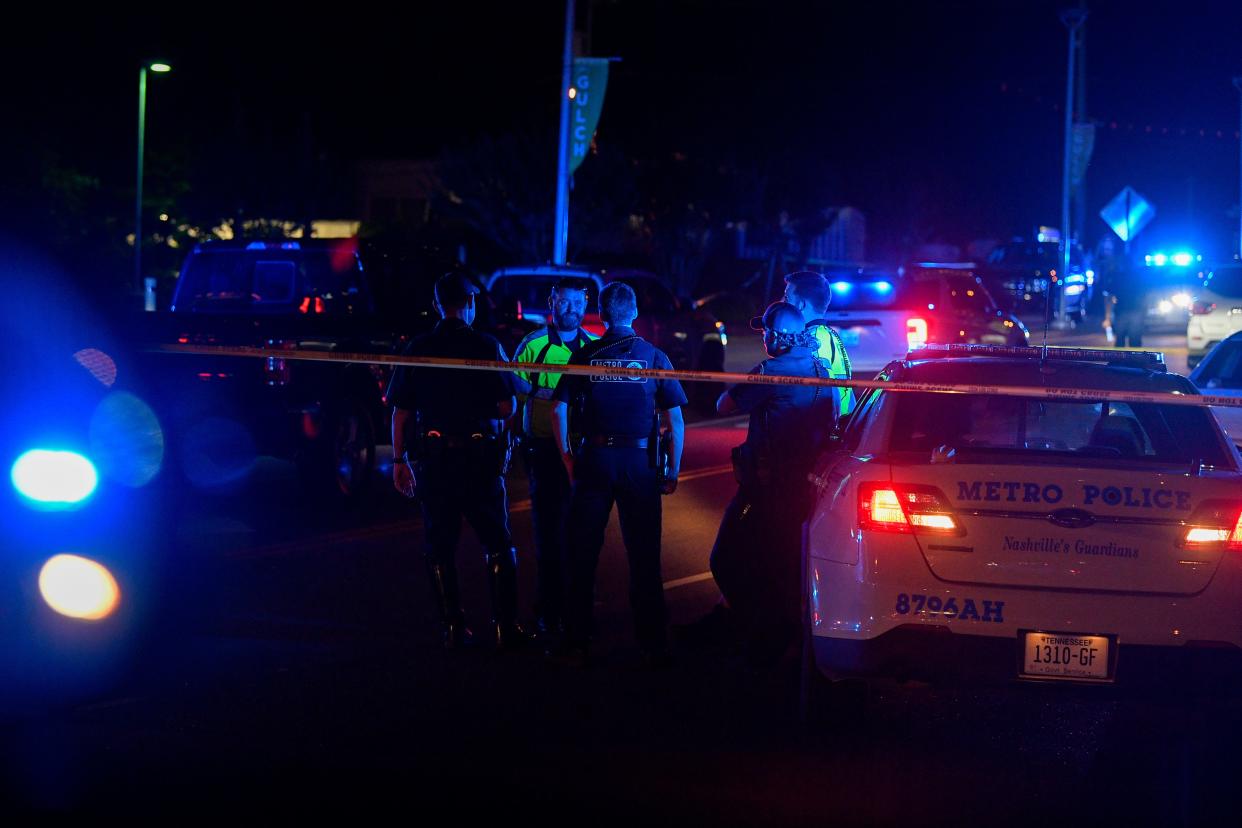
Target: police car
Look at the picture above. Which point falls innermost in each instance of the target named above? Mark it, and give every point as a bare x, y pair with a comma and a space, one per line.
1058, 535
83, 519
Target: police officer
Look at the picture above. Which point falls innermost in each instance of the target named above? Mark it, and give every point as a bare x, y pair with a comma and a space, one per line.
616, 421
448, 425
757, 553
810, 294
549, 484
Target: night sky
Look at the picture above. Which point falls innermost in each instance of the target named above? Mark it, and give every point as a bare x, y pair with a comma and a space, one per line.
947, 114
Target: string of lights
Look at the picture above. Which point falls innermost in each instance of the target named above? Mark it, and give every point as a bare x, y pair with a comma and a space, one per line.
1123, 126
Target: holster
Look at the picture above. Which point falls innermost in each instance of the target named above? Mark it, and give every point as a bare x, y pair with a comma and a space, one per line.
750, 470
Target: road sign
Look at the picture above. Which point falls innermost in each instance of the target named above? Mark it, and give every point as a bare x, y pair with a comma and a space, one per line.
1128, 213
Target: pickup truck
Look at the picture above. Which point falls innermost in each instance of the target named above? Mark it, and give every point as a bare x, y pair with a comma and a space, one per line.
227, 412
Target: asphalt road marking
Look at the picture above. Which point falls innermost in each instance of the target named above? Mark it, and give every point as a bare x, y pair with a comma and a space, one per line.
686, 581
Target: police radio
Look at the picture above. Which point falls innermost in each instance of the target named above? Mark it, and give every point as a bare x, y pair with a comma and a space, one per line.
659, 453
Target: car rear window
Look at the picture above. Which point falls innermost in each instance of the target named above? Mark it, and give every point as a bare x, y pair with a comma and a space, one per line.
1145, 432
920, 291
271, 281
867, 294
1225, 281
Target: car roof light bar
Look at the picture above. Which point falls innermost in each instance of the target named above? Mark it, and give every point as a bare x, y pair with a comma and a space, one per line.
1153, 360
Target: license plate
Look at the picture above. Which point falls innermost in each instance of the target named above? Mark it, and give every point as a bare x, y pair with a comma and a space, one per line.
1074, 656
850, 336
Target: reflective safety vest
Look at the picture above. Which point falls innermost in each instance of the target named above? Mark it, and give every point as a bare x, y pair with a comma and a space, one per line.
545, 347
832, 352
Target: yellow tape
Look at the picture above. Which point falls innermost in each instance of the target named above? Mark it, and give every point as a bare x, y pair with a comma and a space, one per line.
1165, 398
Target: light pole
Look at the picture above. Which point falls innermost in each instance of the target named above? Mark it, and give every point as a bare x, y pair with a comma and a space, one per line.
560, 238
1237, 84
1073, 19
159, 68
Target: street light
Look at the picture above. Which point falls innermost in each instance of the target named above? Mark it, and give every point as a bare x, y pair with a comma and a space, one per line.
159, 68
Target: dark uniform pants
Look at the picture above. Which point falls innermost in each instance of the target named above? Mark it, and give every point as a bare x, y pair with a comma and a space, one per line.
1128, 328
549, 497
756, 561
455, 488
624, 476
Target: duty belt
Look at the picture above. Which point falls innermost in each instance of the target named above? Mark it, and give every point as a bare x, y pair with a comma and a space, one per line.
615, 441
453, 441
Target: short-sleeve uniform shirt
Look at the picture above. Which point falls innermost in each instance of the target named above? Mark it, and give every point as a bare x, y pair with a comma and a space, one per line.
453, 401
620, 406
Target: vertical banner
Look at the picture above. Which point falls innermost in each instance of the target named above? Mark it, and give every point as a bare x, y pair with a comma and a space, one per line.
1081, 145
590, 78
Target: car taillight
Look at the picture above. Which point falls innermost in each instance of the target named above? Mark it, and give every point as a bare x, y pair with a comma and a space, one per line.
908, 508
916, 333
1202, 308
276, 371
1215, 523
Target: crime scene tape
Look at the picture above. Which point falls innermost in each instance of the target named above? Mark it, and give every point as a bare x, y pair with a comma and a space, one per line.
625, 372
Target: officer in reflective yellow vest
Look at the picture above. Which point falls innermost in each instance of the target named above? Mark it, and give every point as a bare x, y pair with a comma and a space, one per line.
549, 484
809, 292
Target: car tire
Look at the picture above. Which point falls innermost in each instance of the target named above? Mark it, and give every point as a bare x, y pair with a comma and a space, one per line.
828, 705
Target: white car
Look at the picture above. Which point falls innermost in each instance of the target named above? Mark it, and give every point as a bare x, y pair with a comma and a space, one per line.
1014, 537
1215, 313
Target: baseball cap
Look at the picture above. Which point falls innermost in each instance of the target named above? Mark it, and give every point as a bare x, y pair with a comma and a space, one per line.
780, 317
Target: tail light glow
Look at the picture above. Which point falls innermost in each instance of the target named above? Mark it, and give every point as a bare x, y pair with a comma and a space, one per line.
1202, 308
1215, 522
906, 508
916, 333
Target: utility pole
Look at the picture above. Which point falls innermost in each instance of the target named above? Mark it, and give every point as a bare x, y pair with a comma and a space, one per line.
1073, 20
1237, 84
1078, 201
560, 239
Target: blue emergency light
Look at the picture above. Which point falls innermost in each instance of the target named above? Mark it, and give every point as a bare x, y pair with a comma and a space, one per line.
54, 478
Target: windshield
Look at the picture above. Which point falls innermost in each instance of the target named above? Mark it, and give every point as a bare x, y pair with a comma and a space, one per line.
1166, 434
318, 281
531, 291
1225, 281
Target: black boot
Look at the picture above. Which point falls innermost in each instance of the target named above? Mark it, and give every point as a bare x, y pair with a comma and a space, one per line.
502, 579
453, 627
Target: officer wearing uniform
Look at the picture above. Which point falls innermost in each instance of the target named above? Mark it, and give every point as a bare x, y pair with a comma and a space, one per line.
756, 557
615, 421
810, 294
549, 484
449, 440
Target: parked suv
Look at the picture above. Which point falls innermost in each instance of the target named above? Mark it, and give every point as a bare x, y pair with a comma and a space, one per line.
1021, 274
880, 317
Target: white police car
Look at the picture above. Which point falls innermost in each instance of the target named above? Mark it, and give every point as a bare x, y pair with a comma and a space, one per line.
1055, 536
